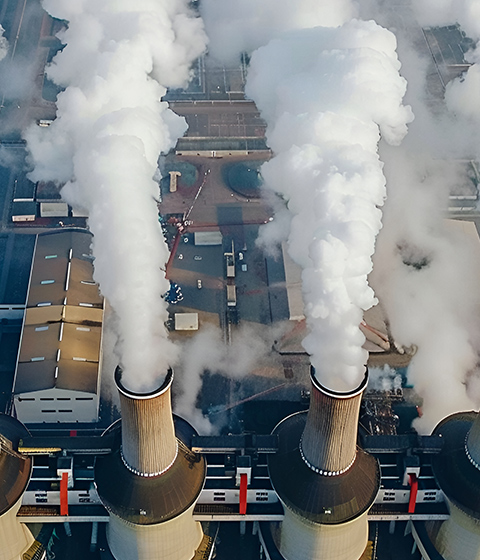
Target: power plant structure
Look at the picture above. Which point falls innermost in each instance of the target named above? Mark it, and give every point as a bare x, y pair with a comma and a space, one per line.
15, 472
457, 470
152, 480
325, 482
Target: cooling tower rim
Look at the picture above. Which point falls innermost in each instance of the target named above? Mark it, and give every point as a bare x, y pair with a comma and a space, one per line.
164, 387
15, 472
455, 473
339, 394
350, 494
161, 505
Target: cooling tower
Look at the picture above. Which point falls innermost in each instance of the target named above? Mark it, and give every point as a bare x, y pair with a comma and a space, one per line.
15, 471
325, 482
457, 470
151, 482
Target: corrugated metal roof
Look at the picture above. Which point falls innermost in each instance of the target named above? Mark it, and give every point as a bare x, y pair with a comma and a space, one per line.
62, 330
71, 375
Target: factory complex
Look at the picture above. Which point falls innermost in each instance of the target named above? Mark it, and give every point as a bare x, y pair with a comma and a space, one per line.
264, 464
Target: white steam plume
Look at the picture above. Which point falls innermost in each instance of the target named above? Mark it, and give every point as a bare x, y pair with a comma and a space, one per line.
462, 93
235, 26
207, 352
328, 95
3, 44
426, 275
111, 126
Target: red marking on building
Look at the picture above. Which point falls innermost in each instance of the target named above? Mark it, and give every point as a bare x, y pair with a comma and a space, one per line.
413, 492
64, 494
243, 493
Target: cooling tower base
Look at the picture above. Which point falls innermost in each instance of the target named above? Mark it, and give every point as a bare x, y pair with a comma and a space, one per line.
176, 539
459, 536
297, 537
15, 538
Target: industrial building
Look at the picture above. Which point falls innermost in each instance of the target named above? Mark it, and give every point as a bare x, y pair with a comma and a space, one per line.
59, 360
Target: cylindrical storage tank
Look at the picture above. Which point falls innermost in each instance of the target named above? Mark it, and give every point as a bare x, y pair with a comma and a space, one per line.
324, 480
329, 441
172, 540
300, 538
149, 446
459, 536
15, 537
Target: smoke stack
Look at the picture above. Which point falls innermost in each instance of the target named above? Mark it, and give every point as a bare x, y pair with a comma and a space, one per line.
159, 478
149, 446
457, 470
329, 440
324, 480
15, 472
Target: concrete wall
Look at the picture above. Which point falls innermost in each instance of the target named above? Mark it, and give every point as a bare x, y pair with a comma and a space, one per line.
32, 406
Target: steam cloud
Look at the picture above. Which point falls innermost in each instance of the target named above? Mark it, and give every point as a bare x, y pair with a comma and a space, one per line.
234, 27
328, 96
207, 352
111, 126
426, 271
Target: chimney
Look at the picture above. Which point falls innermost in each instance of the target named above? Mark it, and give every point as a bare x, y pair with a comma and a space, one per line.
149, 446
329, 441
151, 481
325, 482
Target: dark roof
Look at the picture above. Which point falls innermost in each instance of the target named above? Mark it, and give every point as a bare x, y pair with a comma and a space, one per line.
159, 498
14, 470
322, 499
458, 478
24, 208
72, 375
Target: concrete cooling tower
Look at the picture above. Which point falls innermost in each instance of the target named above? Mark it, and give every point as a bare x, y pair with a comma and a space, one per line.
325, 482
150, 484
15, 472
457, 470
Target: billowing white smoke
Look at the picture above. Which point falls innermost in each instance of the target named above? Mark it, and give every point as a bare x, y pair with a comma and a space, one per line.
426, 274
461, 94
207, 352
111, 126
235, 26
447, 12
328, 96
3, 44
